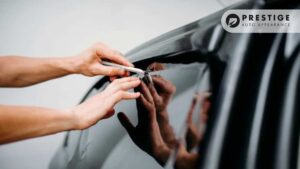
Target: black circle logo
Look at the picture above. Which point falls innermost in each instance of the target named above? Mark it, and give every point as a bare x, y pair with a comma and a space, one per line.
232, 20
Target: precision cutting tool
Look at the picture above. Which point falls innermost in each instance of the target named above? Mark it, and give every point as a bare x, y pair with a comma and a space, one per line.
127, 68
145, 74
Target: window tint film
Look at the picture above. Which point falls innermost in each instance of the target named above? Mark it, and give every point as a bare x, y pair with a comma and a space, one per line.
164, 127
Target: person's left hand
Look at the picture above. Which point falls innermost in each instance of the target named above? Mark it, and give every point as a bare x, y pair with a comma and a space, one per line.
88, 62
101, 105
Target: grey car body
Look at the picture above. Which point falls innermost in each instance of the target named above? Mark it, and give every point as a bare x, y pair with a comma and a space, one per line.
254, 114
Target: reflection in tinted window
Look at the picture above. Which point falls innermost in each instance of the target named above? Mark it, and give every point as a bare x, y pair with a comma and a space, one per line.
170, 119
192, 132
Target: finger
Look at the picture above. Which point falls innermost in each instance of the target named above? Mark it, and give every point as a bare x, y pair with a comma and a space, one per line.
191, 110
113, 99
124, 95
144, 101
163, 85
125, 122
205, 107
129, 85
111, 71
156, 66
124, 86
103, 51
125, 79
143, 106
145, 91
160, 82
116, 85
153, 92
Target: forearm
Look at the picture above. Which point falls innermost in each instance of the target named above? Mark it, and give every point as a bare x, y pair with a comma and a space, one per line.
21, 122
18, 71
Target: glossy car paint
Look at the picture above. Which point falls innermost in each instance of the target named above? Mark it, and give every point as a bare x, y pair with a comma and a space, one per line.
254, 81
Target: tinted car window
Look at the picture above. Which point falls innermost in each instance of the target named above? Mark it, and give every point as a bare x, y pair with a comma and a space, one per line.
181, 83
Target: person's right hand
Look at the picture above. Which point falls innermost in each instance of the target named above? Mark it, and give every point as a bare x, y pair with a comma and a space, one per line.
146, 135
162, 91
101, 105
88, 62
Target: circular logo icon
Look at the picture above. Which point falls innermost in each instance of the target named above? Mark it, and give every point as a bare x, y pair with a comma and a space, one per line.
232, 20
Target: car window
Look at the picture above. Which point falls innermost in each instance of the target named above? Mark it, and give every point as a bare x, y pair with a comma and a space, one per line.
177, 87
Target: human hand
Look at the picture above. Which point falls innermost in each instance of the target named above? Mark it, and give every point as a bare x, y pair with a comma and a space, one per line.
195, 131
101, 105
146, 135
162, 91
185, 159
88, 62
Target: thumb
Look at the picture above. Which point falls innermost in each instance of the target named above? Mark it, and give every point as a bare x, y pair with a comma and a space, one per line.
125, 122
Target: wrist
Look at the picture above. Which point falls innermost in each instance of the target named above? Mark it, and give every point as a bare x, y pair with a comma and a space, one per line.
162, 154
72, 120
72, 64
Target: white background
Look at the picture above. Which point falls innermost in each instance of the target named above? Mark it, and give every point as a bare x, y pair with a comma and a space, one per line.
55, 28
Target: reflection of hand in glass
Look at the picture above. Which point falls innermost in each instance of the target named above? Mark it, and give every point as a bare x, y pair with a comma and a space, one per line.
146, 134
195, 131
162, 92
156, 66
184, 158
163, 89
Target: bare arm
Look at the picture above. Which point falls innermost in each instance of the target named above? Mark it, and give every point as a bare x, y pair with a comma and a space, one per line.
19, 71
21, 122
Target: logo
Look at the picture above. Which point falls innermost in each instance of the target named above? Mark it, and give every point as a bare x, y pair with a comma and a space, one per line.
261, 21
232, 20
